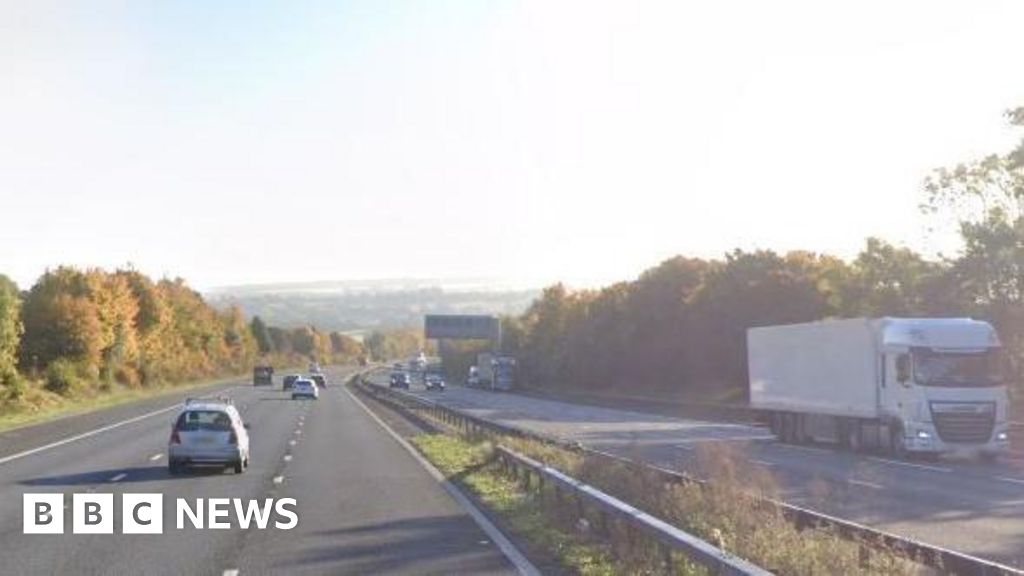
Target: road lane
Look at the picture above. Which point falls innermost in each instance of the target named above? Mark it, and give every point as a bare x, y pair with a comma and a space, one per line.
347, 477
963, 505
366, 507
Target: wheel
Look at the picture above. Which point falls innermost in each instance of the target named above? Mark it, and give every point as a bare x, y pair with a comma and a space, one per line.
787, 425
173, 467
239, 466
897, 443
853, 439
294, 396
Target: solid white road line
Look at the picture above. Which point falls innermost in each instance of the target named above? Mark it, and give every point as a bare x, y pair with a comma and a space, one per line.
119, 477
909, 464
100, 430
763, 462
865, 484
514, 556
1010, 480
155, 457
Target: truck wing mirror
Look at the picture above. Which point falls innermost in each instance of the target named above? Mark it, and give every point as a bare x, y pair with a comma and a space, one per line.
902, 368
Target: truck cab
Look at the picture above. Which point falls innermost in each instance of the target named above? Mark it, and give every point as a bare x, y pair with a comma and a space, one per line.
941, 387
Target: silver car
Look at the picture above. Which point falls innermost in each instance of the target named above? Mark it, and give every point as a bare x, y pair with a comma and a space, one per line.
305, 388
208, 432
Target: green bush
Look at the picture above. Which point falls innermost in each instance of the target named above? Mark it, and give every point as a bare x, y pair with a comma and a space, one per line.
63, 377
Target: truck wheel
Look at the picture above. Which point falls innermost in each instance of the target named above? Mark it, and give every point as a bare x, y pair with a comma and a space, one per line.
788, 428
853, 439
897, 444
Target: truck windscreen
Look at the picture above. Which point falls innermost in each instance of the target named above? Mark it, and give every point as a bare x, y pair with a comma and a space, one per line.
975, 369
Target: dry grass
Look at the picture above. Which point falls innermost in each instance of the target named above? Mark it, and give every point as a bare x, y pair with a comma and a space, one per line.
730, 513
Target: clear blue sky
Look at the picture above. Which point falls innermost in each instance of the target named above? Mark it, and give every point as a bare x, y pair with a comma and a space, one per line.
530, 141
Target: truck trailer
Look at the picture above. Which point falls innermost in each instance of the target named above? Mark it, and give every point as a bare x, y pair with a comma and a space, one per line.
495, 372
906, 385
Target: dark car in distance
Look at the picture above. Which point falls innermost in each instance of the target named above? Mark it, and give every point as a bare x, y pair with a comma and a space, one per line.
263, 376
289, 381
400, 380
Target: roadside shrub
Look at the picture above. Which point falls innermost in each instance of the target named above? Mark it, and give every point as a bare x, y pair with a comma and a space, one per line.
64, 377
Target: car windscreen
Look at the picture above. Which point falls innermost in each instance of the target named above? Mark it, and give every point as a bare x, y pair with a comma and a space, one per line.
206, 420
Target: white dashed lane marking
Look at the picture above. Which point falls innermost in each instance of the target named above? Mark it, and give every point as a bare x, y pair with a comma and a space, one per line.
278, 479
866, 484
287, 457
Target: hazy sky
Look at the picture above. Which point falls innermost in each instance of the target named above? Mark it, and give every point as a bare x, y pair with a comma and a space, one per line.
253, 141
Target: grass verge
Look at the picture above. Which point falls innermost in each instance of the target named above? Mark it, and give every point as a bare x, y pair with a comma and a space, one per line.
36, 405
730, 514
472, 467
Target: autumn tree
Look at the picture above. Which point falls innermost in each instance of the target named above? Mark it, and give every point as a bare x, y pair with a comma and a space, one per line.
11, 329
262, 335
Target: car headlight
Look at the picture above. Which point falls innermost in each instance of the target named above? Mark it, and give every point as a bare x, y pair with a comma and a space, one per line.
923, 435
1002, 436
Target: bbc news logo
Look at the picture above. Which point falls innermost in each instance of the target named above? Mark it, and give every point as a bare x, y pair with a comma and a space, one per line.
144, 513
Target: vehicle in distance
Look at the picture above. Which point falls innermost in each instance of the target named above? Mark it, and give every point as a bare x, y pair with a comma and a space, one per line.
208, 433
319, 379
305, 388
397, 366
418, 363
473, 378
314, 367
920, 385
400, 380
289, 381
263, 375
434, 381
495, 372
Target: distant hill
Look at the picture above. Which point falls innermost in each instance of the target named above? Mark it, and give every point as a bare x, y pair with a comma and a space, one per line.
355, 306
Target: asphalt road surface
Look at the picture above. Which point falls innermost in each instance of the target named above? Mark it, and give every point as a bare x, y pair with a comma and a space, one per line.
963, 505
365, 504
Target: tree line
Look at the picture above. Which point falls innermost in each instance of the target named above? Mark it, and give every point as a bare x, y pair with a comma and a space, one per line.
81, 331
681, 325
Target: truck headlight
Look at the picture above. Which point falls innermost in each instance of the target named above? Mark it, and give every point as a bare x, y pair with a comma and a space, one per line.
1002, 436
923, 435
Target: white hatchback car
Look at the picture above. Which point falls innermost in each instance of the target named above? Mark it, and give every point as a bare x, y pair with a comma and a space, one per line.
305, 388
208, 432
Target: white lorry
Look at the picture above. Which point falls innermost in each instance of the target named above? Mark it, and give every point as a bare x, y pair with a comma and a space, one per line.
920, 385
495, 372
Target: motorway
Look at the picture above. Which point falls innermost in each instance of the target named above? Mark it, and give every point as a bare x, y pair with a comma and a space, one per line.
963, 505
365, 504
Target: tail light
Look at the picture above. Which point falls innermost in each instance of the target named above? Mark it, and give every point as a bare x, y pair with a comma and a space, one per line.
175, 439
233, 438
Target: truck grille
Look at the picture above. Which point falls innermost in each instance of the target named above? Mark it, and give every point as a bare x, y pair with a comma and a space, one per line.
964, 422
